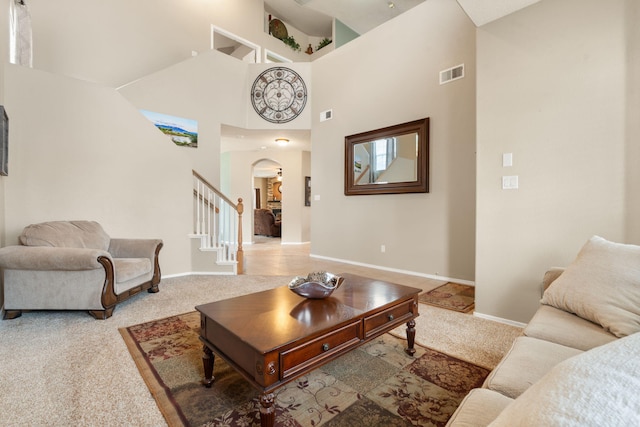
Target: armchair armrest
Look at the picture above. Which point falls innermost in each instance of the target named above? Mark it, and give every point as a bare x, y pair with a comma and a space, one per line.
134, 248
50, 258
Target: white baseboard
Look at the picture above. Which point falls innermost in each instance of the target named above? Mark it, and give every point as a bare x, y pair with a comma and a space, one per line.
281, 243
395, 270
499, 320
199, 273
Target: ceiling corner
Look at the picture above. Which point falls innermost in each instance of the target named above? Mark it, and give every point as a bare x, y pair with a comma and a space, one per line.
482, 12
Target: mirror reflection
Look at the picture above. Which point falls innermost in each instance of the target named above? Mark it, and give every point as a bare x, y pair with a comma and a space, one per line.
386, 160
390, 160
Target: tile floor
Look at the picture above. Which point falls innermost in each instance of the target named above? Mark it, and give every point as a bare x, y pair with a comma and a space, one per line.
267, 256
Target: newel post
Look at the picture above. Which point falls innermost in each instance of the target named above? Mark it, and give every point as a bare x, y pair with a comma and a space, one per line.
240, 254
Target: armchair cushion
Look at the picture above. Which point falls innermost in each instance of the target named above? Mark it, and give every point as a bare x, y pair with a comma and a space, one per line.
43, 258
66, 234
130, 268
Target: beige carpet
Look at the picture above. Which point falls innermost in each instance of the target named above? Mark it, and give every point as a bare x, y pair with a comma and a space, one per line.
65, 368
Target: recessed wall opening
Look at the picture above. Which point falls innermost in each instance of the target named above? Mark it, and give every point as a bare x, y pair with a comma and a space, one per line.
235, 46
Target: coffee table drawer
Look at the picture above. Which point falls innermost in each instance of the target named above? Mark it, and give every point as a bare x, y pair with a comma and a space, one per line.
381, 321
312, 352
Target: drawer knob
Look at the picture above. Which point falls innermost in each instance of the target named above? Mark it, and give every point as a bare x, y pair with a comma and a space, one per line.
325, 347
390, 317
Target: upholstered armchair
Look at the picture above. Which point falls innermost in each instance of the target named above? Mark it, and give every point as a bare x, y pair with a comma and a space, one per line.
265, 223
75, 265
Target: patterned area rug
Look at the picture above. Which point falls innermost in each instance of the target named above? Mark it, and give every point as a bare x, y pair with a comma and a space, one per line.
376, 384
452, 296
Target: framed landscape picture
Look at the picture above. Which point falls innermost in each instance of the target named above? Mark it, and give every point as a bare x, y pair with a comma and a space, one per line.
183, 132
4, 142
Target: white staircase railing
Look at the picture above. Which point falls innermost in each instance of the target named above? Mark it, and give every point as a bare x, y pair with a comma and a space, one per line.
218, 222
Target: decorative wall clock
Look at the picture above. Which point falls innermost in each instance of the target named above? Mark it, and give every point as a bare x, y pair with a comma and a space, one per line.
279, 95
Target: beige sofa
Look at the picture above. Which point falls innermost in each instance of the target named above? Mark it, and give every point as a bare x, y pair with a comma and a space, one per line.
571, 369
75, 265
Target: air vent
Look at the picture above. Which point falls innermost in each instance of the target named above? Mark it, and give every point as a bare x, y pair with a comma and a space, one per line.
326, 115
452, 74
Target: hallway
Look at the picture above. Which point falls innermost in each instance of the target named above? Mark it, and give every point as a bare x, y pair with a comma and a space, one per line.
268, 257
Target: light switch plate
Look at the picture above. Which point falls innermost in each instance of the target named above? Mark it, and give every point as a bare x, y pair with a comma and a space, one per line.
507, 159
510, 182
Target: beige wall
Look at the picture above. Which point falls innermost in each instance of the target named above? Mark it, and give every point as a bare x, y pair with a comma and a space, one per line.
632, 196
260, 183
88, 39
4, 54
81, 151
386, 77
210, 88
551, 90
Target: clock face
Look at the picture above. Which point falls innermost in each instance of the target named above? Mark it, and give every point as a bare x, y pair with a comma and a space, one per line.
279, 95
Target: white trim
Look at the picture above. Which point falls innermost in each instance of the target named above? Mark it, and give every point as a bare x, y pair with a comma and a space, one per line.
395, 270
277, 56
253, 242
198, 273
499, 319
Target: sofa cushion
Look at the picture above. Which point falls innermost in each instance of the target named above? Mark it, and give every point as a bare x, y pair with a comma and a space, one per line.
528, 360
66, 234
602, 285
596, 388
560, 327
479, 407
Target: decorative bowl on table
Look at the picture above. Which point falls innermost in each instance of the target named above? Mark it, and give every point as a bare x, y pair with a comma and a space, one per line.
316, 285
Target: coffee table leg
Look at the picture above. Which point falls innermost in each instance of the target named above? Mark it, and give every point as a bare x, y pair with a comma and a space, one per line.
207, 360
411, 337
267, 411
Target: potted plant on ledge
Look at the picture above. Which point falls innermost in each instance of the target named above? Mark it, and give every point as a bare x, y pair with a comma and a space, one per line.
291, 42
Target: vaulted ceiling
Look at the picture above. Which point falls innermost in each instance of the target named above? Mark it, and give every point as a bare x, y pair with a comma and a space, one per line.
314, 17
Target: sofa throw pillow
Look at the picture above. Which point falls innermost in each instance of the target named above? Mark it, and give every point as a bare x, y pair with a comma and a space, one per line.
601, 285
596, 388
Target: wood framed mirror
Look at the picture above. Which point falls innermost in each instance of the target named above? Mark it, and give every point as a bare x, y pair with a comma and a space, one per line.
391, 160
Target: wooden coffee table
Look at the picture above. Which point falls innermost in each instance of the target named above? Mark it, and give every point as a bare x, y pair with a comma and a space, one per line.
273, 337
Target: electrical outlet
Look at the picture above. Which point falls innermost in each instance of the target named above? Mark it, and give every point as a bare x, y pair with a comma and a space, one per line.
383, 248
